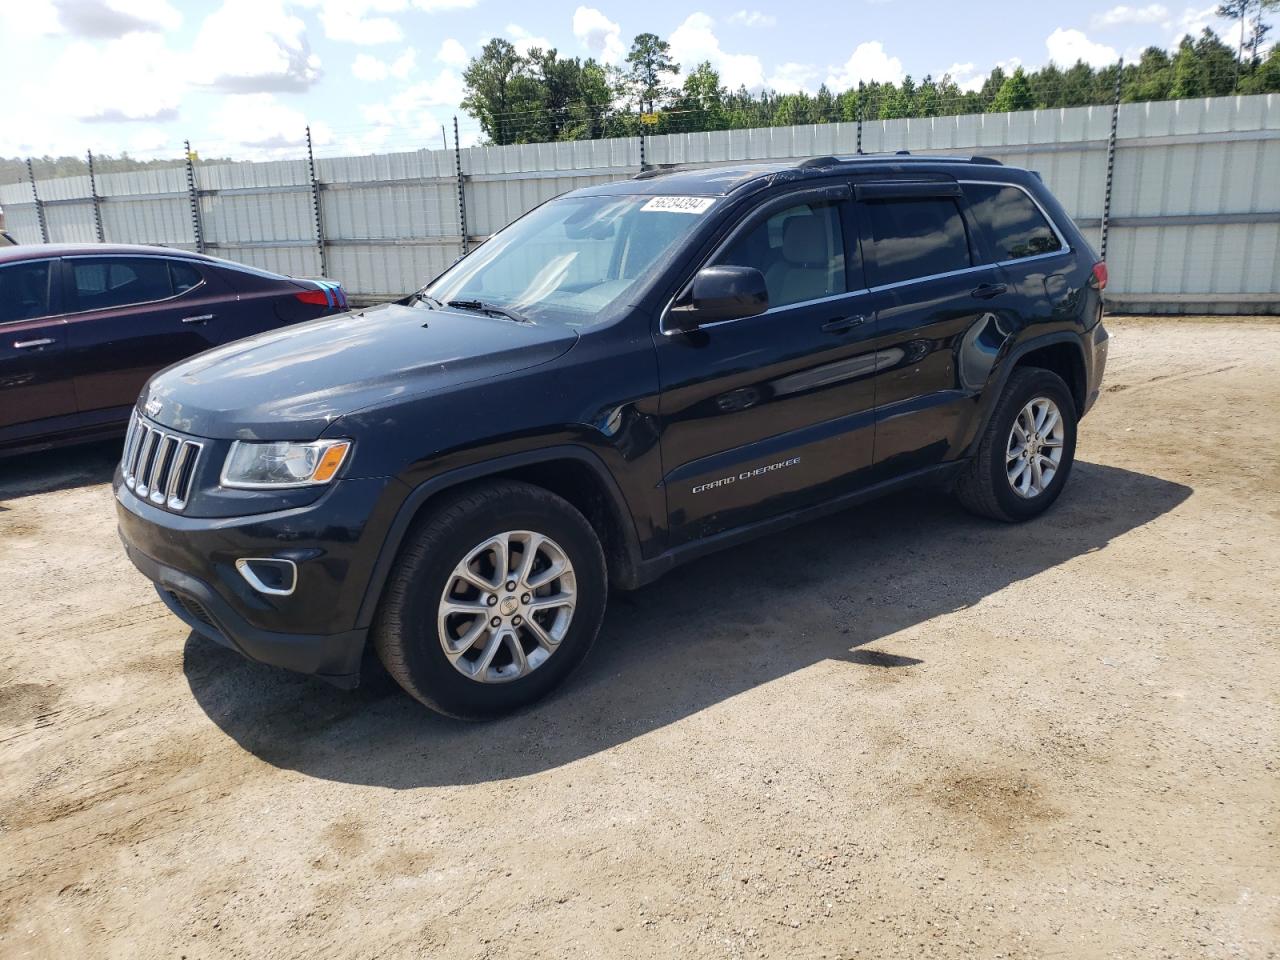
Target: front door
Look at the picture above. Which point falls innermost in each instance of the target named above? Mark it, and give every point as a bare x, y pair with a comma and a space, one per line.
773, 412
35, 386
131, 316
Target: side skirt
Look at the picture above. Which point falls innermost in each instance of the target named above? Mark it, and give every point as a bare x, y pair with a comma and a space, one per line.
649, 570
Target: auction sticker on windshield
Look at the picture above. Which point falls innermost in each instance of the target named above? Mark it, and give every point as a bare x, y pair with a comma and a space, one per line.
679, 204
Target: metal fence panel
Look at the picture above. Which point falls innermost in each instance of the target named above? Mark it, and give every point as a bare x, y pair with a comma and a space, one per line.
1195, 206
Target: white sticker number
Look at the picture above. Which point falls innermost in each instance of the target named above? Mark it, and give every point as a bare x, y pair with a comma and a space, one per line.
696, 205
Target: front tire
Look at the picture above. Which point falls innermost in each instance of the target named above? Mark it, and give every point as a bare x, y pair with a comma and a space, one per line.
497, 595
1026, 451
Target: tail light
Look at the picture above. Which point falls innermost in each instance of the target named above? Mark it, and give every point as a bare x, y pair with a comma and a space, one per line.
317, 298
1099, 275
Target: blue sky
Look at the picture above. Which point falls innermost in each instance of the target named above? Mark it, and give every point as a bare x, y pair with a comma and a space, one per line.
243, 77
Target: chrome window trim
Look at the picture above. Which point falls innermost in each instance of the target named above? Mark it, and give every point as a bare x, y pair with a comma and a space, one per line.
43, 316
1053, 224
131, 256
821, 194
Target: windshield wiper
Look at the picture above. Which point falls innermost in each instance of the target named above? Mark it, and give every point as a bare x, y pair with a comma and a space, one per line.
492, 309
428, 299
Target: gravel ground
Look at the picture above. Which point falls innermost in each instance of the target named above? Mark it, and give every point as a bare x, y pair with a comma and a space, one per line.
901, 732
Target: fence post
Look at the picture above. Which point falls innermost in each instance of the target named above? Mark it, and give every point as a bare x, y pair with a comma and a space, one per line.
1111, 162
44, 227
93, 192
643, 165
462, 193
860, 112
194, 197
315, 204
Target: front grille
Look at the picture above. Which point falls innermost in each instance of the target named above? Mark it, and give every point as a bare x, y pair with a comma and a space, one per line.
159, 466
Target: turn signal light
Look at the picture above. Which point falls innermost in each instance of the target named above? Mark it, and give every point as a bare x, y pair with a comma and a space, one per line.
330, 462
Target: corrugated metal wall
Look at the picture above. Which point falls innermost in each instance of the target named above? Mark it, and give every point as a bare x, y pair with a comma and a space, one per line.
1194, 220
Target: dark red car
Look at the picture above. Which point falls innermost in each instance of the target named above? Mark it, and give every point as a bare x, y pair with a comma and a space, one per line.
83, 326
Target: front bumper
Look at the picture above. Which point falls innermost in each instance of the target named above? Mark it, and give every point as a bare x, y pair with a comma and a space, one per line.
334, 542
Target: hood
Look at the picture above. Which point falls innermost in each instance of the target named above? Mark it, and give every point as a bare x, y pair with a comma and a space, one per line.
291, 383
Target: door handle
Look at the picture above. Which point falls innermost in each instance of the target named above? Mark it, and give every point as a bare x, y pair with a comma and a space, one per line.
985, 291
200, 319
32, 344
842, 324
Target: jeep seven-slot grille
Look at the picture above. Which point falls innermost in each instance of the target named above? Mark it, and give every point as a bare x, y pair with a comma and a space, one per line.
159, 466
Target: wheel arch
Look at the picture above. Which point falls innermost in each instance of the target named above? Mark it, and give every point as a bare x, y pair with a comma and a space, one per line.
1062, 353
571, 472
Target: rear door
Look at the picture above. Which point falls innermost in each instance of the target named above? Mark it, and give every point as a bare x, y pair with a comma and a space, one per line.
35, 384
774, 412
932, 296
132, 316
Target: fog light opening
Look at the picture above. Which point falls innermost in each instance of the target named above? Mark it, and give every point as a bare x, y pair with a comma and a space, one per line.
270, 575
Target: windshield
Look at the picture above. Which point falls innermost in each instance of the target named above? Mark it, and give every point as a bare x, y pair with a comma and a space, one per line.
572, 259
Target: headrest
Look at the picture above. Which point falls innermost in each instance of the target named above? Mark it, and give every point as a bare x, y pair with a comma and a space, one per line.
804, 241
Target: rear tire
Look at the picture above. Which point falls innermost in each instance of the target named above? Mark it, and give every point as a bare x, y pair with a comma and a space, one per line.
532, 624
1026, 451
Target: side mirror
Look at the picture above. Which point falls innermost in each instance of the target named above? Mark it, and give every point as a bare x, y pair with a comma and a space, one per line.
723, 292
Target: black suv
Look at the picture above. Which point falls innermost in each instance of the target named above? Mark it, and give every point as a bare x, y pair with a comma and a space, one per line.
629, 376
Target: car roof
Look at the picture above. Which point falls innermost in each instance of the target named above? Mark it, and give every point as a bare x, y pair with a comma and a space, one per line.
723, 179
36, 251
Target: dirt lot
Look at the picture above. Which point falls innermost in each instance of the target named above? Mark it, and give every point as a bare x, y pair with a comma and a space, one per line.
902, 732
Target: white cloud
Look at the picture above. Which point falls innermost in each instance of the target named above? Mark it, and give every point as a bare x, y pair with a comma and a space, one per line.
793, 78
261, 126
1192, 21
965, 75
1124, 15
600, 35
1068, 46
411, 108
695, 41
371, 69
28, 19
753, 18
437, 6
452, 53
524, 41
109, 19
120, 80
867, 63
363, 22
253, 46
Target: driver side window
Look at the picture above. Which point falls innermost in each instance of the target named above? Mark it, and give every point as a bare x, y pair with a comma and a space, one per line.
800, 251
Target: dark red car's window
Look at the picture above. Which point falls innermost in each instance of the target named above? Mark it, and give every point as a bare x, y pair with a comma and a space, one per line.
184, 276
118, 281
24, 291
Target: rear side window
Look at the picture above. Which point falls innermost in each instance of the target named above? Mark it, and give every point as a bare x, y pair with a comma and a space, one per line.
800, 251
915, 238
1013, 224
120, 281
184, 276
24, 291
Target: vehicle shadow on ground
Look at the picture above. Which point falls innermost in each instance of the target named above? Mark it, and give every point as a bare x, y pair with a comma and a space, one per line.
820, 593
51, 470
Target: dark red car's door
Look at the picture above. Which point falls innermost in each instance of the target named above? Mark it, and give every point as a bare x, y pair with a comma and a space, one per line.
130, 316
35, 384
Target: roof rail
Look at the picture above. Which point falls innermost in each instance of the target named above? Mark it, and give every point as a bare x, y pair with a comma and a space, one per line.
813, 162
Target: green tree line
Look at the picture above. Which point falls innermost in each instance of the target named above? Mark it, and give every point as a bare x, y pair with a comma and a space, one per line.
541, 96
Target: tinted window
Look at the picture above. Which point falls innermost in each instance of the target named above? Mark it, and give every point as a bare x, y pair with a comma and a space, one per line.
24, 291
118, 281
1013, 224
184, 276
800, 251
915, 238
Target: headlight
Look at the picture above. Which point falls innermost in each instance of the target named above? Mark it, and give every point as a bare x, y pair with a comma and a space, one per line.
254, 466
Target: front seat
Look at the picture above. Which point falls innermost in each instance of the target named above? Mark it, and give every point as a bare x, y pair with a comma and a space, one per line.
805, 270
